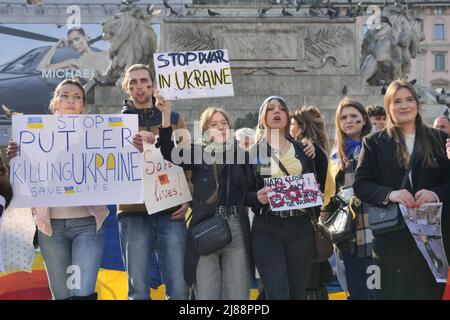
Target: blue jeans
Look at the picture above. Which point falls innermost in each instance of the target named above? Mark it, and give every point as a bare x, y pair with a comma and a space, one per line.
140, 235
74, 243
356, 274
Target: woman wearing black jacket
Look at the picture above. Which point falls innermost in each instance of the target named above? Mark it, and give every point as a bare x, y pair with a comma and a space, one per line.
382, 164
226, 273
282, 241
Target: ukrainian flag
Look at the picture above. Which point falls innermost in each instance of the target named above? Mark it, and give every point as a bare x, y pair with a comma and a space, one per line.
35, 123
69, 190
115, 122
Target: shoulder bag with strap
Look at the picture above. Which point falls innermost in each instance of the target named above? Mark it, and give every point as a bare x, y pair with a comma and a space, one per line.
387, 218
214, 232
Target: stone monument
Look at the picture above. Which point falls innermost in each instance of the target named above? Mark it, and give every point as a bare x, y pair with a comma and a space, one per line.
309, 54
274, 49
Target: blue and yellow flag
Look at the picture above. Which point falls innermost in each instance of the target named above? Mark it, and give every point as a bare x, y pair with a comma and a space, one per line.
69, 190
35, 123
115, 122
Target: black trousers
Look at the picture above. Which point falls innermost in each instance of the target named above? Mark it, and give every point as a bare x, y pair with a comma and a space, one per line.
283, 251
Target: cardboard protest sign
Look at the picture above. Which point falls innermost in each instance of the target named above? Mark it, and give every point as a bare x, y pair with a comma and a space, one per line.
293, 192
193, 74
424, 223
75, 160
165, 184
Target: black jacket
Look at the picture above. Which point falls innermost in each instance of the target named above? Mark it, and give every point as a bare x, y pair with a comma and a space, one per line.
261, 159
404, 272
204, 185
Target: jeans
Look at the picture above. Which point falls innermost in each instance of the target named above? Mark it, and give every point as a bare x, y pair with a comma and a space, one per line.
225, 274
140, 235
283, 251
74, 243
356, 274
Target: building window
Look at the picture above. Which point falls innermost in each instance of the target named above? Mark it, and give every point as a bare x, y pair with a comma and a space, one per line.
438, 31
439, 61
438, 10
440, 83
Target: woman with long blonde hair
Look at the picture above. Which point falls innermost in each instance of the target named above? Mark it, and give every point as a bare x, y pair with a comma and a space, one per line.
219, 189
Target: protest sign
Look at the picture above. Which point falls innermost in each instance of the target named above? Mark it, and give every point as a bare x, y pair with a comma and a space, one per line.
293, 192
165, 184
193, 74
75, 160
424, 223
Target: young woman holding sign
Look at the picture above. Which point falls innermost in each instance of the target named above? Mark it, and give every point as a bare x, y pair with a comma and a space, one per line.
70, 238
385, 157
219, 190
352, 124
282, 241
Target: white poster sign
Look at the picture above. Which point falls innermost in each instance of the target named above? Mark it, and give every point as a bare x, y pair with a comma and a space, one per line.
165, 184
75, 160
194, 74
293, 192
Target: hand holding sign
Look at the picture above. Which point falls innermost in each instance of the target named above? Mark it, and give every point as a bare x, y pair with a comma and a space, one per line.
12, 150
143, 136
262, 195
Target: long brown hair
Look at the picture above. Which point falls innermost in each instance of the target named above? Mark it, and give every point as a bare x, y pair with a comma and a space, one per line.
393, 129
58, 89
340, 135
313, 126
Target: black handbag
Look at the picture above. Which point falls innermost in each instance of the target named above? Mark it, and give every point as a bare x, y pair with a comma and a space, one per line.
384, 219
341, 223
387, 218
212, 233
